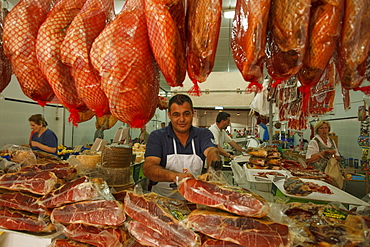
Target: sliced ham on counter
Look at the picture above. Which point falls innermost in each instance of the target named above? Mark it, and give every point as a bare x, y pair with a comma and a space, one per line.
203, 29
95, 213
75, 51
49, 40
24, 221
287, 37
129, 76
354, 45
324, 32
248, 39
236, 200
244, 231
22, 201
96, 236
166, 29
19, 40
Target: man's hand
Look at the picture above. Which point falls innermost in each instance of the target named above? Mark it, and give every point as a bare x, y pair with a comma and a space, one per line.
180, 176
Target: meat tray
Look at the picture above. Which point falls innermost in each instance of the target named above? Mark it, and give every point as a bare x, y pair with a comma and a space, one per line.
260, 183
337, 196
42, 235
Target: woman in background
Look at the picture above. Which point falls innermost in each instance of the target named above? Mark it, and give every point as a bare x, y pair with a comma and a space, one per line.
321, 147
43, 139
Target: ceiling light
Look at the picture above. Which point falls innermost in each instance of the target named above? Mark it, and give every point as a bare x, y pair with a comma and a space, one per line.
229, 14
219, 107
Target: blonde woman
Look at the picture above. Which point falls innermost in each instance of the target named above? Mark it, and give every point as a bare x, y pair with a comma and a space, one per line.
321, 147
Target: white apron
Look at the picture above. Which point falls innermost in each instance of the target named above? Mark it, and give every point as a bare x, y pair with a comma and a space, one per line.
186, 163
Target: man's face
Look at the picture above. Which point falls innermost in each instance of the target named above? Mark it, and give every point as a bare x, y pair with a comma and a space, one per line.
225, 123
181, 117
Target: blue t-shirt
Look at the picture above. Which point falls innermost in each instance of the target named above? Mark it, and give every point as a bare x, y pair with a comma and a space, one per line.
160, 143
47, 138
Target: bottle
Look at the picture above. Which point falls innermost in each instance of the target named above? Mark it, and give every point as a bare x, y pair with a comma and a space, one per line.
350, 162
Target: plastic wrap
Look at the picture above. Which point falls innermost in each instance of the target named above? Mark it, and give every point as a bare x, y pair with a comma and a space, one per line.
20, 32
22, 201
245, 231
49, 39
251, 18
129, 76
162, 215
75, 49
80, 189
97, 236
229, 198
61, 169
67, 243
95, 213
24, 221
20, 154
203, 30
36, 182
6, 70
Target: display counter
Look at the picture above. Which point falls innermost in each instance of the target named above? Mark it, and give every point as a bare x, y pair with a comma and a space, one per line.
19, 239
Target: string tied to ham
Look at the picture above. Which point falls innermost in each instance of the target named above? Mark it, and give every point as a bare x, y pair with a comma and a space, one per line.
195, 89
305, 90
253, 87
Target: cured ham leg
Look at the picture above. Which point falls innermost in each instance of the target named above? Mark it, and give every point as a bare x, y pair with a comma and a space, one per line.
251, 19
354, 43
19, 39
129, 76
166, 29
5, 66
203, 29
49, 40
287, 36
75, 51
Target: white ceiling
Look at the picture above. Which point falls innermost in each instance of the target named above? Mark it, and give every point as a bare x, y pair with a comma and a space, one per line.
224, 60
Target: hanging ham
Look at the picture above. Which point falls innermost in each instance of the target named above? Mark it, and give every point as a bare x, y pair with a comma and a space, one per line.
5, 67
19, 40
203, 29
129, 76
49, 39
287, 36
324, 31
166, 29
251, 19
354, 44
75, 50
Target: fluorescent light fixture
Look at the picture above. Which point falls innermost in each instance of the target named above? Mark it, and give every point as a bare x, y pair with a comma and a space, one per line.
219, 107
229, 14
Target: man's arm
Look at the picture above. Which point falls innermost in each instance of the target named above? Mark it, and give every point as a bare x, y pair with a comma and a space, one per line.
155, 172
236, 146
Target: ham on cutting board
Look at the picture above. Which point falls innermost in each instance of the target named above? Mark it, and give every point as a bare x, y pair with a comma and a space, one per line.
75, 51
251, 18
166, 30
19, 40
203, 29
49, 40
129, 76
236, 200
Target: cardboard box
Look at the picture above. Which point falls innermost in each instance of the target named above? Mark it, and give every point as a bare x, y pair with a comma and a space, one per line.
99, 144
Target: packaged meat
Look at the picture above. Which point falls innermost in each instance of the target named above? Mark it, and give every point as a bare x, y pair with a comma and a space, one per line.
162, 215
233, 199
39, 183
75, 51
68, 243
96, 213
24, 221
22, 201
129, 76
203, 29
245, 231
19, 39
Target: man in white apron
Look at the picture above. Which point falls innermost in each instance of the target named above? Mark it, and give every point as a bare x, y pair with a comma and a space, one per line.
220, 135
178, 150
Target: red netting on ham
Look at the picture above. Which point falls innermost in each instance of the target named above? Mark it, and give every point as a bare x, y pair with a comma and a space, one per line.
75, 50
122, 55
49, 39
19, 39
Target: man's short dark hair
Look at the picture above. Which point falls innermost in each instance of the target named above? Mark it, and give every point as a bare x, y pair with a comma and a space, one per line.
180, 99
222, 116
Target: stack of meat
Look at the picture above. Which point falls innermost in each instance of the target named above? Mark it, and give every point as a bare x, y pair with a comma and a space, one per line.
264, 158
297, 170
327, 225
22, 201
